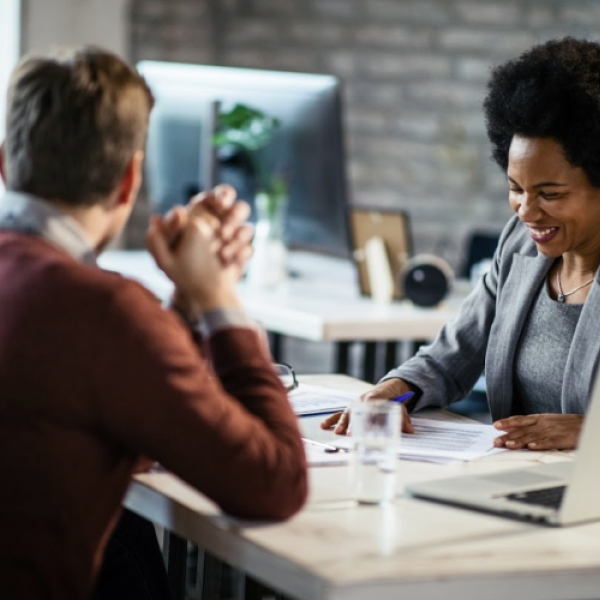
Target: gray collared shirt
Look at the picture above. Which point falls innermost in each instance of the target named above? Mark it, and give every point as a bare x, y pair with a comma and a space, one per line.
28, 214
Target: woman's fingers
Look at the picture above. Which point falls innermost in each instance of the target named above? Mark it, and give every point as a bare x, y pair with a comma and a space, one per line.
515, 422
330, 421
540, 432
339, 421
550, 443
343, 423
407, 426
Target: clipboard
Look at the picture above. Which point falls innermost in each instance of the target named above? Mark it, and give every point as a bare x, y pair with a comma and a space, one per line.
393, 227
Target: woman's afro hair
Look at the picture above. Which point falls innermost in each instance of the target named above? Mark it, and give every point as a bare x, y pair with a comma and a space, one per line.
551, 91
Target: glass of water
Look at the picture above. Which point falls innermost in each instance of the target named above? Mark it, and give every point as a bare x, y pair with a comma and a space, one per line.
375, 441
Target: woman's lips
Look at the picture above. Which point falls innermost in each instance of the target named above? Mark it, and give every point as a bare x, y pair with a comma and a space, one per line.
543, 234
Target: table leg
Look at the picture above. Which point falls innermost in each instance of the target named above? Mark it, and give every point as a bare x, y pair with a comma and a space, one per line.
369, 361
210, 576
275, 343
391, 356
342, 358
175, 550
254, 590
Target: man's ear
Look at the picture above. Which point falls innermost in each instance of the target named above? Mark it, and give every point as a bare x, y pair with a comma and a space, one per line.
132, 180
2, 174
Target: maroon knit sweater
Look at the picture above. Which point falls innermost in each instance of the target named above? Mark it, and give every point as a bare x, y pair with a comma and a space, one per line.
94, 374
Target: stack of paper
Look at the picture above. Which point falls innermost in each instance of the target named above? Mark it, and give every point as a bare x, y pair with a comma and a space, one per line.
316, 399
442, 441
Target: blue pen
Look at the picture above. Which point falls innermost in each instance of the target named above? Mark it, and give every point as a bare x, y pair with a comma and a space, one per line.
402, 398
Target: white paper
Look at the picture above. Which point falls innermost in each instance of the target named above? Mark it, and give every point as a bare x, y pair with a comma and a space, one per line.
439, 439
315, 399
317, 457
443, 441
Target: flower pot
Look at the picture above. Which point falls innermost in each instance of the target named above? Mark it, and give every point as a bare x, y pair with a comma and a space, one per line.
268, 265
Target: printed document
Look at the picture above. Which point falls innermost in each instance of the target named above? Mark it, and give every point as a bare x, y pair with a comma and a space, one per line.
315, 399
445, 441
442, 441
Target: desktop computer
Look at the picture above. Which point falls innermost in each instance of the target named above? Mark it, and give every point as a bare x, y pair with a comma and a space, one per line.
308, 146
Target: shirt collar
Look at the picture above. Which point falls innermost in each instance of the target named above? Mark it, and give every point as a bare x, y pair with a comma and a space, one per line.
29, 214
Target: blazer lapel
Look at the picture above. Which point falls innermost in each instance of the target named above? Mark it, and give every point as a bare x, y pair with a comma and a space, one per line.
518, 292
582, 360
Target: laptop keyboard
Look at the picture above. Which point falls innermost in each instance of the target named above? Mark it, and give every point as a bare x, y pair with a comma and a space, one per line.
550, 497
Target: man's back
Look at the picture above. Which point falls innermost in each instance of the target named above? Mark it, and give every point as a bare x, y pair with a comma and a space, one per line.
93, 373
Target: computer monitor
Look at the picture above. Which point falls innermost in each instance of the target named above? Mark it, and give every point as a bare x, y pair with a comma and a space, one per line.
308, 145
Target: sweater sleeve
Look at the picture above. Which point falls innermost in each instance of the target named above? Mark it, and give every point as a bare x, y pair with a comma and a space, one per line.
446, 370
229, 431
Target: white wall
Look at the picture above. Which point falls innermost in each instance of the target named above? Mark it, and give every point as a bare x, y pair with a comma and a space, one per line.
9, 52
48, 23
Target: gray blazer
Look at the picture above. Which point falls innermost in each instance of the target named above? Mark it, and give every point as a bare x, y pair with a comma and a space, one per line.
485, 333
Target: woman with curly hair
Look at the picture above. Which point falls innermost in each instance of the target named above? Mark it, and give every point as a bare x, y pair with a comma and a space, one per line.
531, 322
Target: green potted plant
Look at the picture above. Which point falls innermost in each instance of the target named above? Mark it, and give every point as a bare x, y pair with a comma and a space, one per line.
252, 131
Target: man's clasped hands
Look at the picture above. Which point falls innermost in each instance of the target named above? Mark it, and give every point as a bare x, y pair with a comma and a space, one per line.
203, 248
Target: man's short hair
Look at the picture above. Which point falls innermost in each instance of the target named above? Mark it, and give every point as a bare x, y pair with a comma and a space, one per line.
74, 122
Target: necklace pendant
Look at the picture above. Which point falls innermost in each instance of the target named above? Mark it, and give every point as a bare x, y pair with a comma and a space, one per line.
560, 298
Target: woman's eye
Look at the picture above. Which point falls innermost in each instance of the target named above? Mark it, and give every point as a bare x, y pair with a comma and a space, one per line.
549, 195
515, 190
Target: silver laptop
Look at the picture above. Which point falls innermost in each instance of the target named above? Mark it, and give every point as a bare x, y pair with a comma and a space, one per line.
561, 493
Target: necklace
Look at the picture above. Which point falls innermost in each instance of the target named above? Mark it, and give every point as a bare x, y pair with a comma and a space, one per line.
561, 295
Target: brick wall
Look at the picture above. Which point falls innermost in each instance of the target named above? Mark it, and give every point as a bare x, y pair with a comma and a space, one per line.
414, 74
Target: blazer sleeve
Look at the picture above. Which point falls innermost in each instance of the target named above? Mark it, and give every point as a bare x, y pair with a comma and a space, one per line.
446, 370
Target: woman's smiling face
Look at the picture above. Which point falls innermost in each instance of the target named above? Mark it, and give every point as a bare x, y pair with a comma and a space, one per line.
553, 198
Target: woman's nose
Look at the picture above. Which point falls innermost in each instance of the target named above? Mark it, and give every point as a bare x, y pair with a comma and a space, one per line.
528, 208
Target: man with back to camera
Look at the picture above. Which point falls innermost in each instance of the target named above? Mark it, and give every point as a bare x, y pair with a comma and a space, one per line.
94, 372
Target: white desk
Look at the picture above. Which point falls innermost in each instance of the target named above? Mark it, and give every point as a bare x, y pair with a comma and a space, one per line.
334, 550
320, 303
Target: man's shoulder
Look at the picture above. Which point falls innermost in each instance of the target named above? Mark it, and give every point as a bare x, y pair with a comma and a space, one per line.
48, 275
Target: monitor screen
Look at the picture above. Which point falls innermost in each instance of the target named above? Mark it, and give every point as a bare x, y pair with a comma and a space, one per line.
308, 146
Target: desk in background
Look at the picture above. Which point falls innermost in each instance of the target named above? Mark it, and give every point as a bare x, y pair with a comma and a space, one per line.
336, 550
320, 302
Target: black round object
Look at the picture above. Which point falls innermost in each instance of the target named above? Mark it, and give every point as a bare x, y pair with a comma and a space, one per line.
426, 283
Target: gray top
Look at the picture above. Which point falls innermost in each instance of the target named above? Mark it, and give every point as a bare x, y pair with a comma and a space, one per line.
27, 214
542, 354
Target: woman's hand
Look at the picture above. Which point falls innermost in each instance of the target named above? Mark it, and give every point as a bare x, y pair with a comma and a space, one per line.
539, 432
386, 390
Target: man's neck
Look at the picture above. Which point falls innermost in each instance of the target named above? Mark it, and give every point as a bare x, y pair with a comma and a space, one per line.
95, 220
